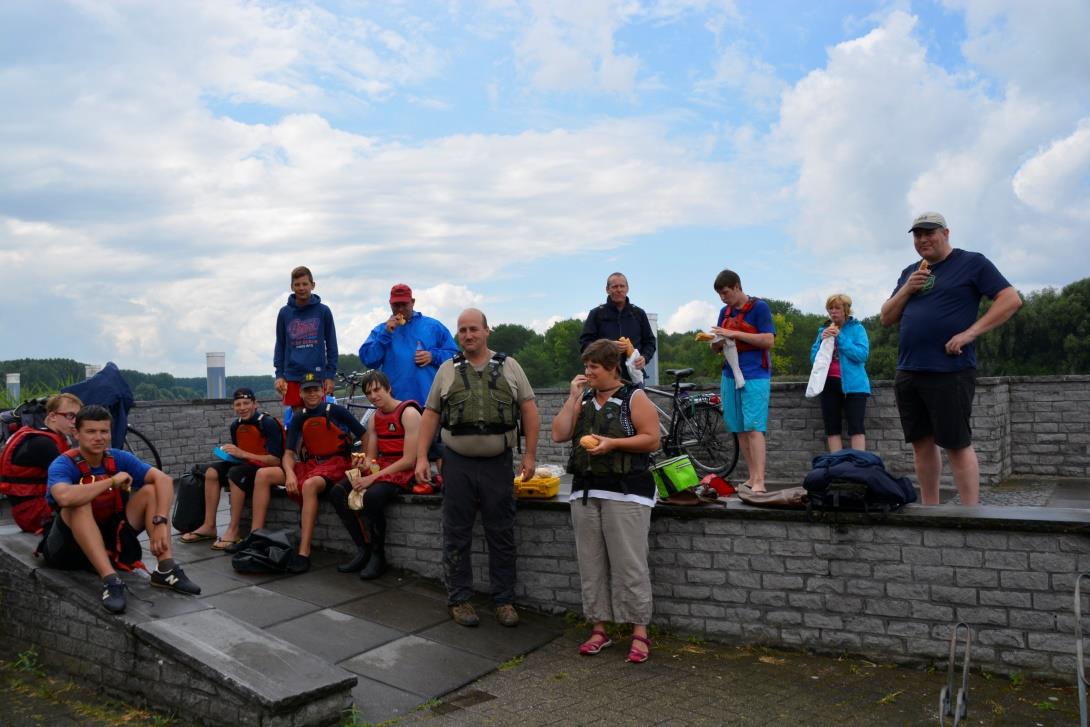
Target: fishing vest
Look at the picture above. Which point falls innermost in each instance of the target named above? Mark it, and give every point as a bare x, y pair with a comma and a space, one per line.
613, 420
479, 402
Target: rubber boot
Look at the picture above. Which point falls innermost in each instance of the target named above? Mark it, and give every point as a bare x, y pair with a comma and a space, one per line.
375, 567
357, 563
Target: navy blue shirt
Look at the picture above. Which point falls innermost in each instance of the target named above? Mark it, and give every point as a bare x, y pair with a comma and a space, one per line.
946, 305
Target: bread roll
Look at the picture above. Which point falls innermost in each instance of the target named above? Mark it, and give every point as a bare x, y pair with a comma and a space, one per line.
589, 441
399, 319
924, 266
704, 336
628, 347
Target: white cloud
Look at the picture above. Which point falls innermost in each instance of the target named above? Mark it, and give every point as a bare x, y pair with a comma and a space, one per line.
1039, 47
881, 132
691, 316
739, 70
1056, 179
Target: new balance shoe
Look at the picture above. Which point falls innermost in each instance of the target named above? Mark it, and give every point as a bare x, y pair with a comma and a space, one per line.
176, 580
113, 594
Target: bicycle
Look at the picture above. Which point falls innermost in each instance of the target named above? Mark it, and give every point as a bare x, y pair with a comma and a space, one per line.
694, 426
363, 411
32, 412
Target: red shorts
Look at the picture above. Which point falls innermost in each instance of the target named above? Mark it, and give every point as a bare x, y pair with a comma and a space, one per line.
291, 396
330, 468
31, 513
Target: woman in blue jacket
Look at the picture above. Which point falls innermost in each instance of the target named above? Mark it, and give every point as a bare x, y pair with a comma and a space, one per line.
847, 386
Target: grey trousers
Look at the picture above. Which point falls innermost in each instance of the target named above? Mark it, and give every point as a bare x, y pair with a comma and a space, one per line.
611, 546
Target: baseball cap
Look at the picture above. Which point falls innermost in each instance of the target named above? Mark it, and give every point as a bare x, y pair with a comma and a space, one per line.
928, 221
401, 293
244, 392
310, 381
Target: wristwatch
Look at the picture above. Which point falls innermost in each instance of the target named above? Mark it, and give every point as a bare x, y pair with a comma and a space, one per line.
158, 520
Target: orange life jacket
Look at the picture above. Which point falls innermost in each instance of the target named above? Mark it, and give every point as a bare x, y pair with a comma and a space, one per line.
250, 437
734, 319
323, 438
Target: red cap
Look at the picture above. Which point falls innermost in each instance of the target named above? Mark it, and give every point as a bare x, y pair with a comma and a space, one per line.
401, 293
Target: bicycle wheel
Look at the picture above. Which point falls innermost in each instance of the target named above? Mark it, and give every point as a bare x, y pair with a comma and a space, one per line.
142, 447
703, 436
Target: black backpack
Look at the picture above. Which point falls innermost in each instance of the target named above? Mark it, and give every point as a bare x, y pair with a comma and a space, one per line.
855, 481
31, 413
189, 501
266, 551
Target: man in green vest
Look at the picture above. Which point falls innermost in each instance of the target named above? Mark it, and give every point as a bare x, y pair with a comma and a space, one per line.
479, 400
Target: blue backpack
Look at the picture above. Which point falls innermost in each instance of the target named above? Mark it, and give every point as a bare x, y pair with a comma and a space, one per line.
855, 481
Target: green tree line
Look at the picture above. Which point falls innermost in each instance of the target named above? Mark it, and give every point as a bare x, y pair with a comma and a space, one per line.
1050, 335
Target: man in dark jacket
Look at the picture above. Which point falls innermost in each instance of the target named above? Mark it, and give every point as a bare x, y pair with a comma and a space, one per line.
617, 318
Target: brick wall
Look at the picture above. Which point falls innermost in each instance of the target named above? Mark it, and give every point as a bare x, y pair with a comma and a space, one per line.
1022, 426
1050, 425
891, 591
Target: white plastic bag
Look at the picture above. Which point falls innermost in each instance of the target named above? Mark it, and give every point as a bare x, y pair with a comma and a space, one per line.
821, 367
730, 355
635, 373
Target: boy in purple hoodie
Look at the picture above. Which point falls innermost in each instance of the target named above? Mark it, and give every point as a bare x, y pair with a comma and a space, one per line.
306, 340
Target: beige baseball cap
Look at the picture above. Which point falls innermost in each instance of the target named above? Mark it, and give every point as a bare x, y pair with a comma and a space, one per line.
928, 221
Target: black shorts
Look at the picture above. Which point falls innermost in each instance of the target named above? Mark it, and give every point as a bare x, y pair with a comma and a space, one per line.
836, 406
241, 473
936, 405
60, 549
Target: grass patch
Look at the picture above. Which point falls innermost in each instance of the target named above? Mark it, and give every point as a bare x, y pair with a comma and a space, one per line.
513, 662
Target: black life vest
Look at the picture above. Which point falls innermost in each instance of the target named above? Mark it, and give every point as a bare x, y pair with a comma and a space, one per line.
480, 402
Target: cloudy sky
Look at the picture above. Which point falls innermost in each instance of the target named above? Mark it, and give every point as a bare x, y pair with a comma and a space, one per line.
163, 165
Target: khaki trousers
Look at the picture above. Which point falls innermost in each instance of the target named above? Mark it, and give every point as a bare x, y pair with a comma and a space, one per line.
611, 546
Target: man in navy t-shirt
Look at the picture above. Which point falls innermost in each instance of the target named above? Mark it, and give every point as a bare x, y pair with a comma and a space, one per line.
936, 301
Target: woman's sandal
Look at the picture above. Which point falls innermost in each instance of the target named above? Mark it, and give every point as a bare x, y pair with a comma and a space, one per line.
598, 640
635, 656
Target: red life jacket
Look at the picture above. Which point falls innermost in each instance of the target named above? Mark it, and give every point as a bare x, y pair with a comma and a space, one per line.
21, 480
391, 442
250, 437
738, 323
108, 507
109, 502
323, 438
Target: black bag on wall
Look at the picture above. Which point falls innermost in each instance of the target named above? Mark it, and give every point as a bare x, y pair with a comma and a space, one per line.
189, 501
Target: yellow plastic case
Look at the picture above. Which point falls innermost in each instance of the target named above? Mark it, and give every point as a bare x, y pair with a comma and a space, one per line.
537, 488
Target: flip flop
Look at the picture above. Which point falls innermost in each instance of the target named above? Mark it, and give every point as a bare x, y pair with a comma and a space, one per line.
190, 538
223, 543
